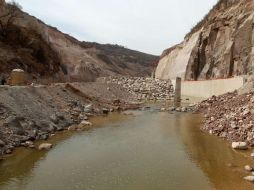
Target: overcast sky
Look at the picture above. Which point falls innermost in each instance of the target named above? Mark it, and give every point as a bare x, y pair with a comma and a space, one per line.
146, 25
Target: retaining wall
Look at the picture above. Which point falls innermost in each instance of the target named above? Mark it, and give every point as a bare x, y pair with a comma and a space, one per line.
208, 88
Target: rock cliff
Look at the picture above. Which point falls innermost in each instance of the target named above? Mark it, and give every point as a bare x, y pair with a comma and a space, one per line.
46, 53
220, 46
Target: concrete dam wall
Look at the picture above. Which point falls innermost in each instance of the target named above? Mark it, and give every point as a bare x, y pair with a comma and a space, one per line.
208, 88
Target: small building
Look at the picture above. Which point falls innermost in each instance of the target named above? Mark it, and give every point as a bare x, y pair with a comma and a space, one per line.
18, 77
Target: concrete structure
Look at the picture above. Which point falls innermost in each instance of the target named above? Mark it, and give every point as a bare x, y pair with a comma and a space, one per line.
177, 102
208, 88
153, 74
18, 77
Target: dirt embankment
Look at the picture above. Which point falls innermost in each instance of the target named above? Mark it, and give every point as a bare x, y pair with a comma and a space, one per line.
35, 112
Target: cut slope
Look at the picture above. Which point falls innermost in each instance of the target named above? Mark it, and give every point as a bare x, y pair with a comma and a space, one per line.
220, 46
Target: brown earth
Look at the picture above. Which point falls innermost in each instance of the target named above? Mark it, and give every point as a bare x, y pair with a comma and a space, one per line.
52, 56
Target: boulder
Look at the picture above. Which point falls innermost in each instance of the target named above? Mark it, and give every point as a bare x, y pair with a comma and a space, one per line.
60, 116
233, 126
163, 109
171, 109
249, 178
178, 109
184, 109
14, 124
59, 128
82, 117
32, 134
2, 143
248, 168
2, 110
44, 136
45, 146
240, 145
54, 119
29, 144
52, 127
105, 111
43, 125
73, 128
86, 123
88, 108
246, 112
8, 151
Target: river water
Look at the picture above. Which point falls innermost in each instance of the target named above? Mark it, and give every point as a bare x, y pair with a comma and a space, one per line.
147, 150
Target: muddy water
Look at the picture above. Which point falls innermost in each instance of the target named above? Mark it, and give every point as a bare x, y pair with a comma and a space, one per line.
145, 151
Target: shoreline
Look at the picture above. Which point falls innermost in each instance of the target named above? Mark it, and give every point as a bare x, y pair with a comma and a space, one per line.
58, 136
33, 113
229, 116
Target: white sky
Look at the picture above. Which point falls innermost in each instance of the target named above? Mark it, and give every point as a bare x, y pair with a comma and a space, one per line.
145, 25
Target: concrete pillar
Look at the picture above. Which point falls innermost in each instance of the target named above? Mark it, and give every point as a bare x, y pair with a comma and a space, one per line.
177, 101
153, 74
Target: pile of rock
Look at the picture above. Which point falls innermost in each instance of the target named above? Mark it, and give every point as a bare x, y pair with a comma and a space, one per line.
250, 170
178, 109
38, 112
144, 88
20, 131
230, 116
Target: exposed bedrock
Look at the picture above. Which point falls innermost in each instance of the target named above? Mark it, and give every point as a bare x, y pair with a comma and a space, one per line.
220, 46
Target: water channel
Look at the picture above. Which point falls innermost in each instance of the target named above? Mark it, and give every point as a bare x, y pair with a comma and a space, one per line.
144, 150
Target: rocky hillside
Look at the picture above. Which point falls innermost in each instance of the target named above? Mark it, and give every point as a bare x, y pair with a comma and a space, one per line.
220, 46
46, 53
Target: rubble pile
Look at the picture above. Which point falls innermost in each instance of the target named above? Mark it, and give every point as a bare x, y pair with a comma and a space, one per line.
20, 131
38, 112
230, 116
144, 88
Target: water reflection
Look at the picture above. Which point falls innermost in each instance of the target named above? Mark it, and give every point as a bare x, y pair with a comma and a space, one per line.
18, 168
214, 156
148, 151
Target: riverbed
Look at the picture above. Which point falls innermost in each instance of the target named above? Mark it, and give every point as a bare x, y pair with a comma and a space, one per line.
140, 150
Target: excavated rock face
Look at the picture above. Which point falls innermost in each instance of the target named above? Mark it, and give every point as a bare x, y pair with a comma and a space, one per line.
220, 46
